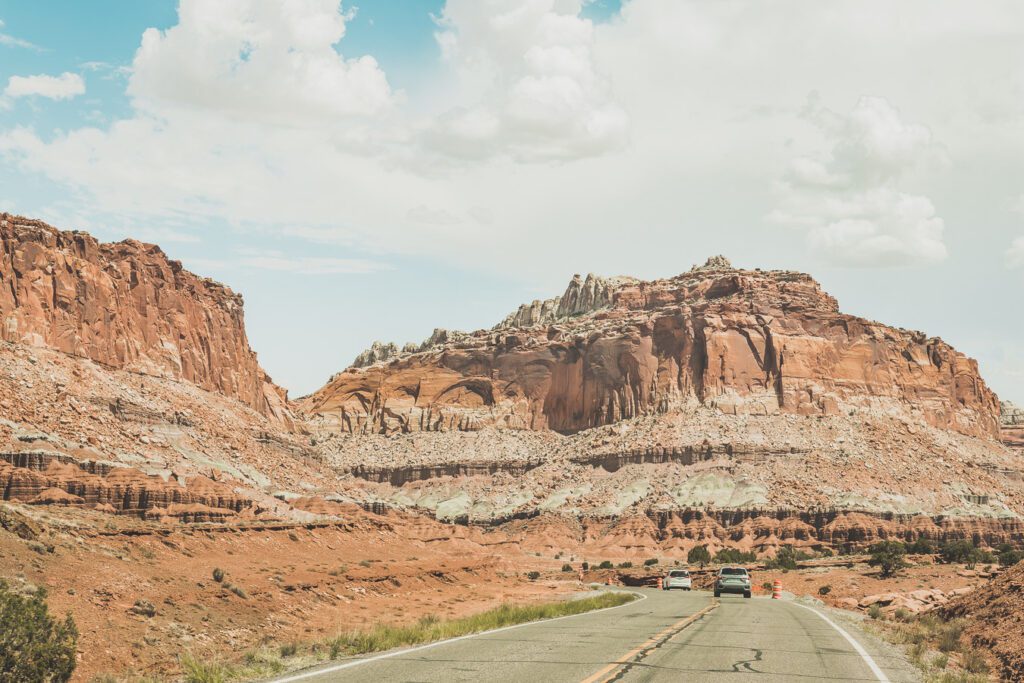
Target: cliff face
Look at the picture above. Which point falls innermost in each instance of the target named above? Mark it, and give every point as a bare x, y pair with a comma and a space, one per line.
1011, 424
127, 306
744, 342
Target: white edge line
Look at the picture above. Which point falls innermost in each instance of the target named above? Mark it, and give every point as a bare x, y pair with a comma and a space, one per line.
396, 653
875, 669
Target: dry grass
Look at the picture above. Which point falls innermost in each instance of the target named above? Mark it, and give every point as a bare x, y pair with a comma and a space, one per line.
430, 629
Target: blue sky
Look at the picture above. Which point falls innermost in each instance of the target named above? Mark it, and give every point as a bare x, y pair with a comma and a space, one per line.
434, 164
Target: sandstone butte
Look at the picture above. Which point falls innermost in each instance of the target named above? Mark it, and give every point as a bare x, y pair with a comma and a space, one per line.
740, 341
127, 306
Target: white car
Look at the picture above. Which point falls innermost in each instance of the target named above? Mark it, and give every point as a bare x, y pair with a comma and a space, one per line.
678, 578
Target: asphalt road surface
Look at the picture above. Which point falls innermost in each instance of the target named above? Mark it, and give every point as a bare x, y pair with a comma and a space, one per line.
669, 636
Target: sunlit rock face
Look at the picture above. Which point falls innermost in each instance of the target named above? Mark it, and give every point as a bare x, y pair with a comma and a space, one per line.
127, 306
743, 342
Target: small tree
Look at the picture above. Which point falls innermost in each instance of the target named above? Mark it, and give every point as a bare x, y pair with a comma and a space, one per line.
888, 556
1008, 556
566, 567
959, 552
33, 646
606, 564
785, 559
699, 555
651, 562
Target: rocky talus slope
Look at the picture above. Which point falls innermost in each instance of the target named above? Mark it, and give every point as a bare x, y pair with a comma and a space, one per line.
994, 620
127, 306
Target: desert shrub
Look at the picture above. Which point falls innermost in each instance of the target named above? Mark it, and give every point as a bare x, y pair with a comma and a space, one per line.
921, 546
625, 565
237, 590
949, 637
940, 662
651, 562
973, 662
34, 646
824, 590
364, 563
734, 556
875, 612
218, 574
533, 576
888, 556
902, 615
825, 552
144, 608
786, 558
959, 552
293, 536
288, 649
606, 564
198, 671
699, 555
767, 586
586, 566
566, 567
1007, 556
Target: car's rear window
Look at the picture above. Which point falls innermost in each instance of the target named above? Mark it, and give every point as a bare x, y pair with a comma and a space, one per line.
734, 571
679, 573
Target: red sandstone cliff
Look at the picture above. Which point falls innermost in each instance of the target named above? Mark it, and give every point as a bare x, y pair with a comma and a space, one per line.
742, 341
127, 306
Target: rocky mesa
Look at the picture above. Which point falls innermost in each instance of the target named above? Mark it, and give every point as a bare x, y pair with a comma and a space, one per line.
127, 306
740, 341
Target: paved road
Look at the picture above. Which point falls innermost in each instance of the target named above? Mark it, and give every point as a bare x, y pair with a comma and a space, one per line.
673, 636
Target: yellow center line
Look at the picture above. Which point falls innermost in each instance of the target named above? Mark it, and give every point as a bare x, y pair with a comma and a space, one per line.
603, 674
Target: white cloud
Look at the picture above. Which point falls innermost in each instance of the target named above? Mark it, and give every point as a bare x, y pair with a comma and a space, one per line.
7, 40
847, 196
63, 87
1015, 254
231, 127
257, 60
530, 87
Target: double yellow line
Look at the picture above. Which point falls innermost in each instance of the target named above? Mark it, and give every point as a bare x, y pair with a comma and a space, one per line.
605, 674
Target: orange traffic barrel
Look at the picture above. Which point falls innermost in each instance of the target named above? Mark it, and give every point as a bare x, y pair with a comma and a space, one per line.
661, 583
777, 590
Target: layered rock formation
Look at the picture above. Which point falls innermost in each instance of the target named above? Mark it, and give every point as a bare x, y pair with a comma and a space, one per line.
1011, 424
739, 341
127, 306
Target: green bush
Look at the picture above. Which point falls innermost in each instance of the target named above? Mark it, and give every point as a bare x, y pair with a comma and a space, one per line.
699, 555
586, 566
786, 558
1008, 556
566, 567
921, 546
824, 590
625, 565
888, 556
533, 576
606, 564
218, 574
651, 562
734, 556
33, 646
875, 612
963, 552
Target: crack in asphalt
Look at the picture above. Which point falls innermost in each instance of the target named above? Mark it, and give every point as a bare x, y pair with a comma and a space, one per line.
746, 664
